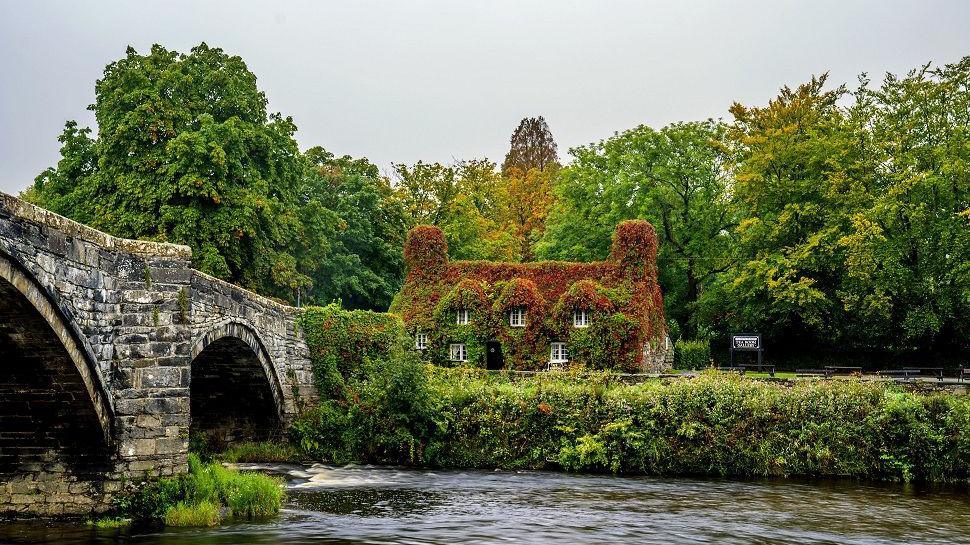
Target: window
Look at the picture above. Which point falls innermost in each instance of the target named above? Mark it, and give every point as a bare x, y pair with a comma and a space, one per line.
457, 352
580, 318
462, 316
517, 317
558, 353
420, 340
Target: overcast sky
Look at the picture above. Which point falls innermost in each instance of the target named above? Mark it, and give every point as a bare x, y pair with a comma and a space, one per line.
442, 80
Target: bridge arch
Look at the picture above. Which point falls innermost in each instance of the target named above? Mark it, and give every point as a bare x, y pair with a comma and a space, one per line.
235, 391
56, 407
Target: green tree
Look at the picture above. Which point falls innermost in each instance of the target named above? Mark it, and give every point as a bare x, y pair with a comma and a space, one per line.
464, 199
907, 266
677, 179
360, 262
186, 153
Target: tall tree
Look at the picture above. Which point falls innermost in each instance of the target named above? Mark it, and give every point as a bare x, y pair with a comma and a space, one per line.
796, 161
676, 178
531, 147
186, 153
360, 263
463, 199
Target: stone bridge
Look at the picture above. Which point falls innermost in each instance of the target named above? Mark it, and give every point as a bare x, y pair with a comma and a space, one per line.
114, 352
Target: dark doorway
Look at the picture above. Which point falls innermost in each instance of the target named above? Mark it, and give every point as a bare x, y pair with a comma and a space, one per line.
493, 356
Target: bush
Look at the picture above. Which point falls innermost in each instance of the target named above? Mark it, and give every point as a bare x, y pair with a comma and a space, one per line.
341, 340
692, 354
714, 424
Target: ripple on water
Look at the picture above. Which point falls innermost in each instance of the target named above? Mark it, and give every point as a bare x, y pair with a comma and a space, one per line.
366, 504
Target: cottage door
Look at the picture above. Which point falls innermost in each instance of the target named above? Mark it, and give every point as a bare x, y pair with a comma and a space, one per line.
493, 356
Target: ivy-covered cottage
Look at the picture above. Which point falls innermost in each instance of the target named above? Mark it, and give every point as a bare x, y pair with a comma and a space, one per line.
530, 316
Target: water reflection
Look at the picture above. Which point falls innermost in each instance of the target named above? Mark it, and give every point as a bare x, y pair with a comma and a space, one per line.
389, 505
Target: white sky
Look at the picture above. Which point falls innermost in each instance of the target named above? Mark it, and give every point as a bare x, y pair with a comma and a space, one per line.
399, 81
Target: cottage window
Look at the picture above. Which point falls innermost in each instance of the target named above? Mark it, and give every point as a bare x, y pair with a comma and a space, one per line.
420, 340
580, 318
558, 353
457, 352
461, 316
517, 317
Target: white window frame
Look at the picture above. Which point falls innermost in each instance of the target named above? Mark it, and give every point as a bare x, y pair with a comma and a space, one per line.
420, 340
517, 317
457, 352
581, 317
461, 316
558, 353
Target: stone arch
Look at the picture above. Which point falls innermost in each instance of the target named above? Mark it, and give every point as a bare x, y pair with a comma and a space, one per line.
235, 390
54, 395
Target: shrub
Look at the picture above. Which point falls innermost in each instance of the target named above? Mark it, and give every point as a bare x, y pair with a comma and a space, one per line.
692, 354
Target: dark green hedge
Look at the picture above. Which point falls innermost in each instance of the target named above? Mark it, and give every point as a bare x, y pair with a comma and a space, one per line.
715, 424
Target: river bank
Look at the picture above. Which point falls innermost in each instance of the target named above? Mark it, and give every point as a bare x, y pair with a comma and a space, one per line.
714, 424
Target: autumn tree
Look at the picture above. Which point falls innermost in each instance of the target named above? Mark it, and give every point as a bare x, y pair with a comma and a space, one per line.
531, 147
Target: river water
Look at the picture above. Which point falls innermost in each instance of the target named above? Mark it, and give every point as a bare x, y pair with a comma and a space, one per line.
357, 505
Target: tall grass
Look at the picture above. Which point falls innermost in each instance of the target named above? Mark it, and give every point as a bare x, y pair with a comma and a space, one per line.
205, 495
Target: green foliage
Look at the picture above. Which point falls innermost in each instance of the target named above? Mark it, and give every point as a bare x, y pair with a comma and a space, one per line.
109, 522
341, 341
715, 424
197, 498
692, 354
359, 261
829, 217
375, 405
186, 152
676, 179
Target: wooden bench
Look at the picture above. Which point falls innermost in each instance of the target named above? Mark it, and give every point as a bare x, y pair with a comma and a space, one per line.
824, 373
843, 370
738, 369
760, 369
963, 374
913, 372
899, 374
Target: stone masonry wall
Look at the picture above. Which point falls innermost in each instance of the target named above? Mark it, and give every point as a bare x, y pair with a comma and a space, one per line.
130, 317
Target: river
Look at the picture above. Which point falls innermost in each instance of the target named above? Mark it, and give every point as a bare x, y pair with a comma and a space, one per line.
375, 505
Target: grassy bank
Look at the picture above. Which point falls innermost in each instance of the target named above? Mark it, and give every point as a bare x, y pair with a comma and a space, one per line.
716, 424
206, 495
